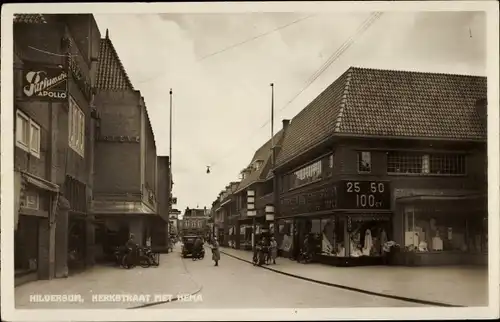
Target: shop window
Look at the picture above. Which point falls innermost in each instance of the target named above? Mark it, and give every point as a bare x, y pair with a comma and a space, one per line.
328, 237
285, 235
27, 134
425, 164
432, 231
364, 162
367, 236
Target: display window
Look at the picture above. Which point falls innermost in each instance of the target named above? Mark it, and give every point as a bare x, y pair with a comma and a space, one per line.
430, 230
367, 236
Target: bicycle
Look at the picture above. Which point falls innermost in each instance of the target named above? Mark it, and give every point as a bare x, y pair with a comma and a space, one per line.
154, 258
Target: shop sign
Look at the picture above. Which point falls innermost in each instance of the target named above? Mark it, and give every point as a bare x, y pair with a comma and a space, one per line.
42, 82
311, 201
364, 194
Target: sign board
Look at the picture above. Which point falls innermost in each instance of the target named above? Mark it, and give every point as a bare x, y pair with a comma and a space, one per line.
360, 194
43, 82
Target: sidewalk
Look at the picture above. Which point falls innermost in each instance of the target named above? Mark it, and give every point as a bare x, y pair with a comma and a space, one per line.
171, 277
465, 286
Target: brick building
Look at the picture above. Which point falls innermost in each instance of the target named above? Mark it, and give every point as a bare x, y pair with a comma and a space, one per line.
54, 69
387, 155
195, 222
257, 176
126, 196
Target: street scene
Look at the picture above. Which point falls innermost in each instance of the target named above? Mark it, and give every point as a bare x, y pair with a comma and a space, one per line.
250, 160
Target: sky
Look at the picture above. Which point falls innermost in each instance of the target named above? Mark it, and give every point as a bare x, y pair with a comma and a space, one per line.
222, 101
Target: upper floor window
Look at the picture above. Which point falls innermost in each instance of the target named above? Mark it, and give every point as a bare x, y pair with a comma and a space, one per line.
306, 175
76, 128
425, 163
329, 169
364, 162
27, 134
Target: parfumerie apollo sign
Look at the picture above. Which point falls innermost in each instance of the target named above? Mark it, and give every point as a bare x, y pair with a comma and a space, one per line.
44, 82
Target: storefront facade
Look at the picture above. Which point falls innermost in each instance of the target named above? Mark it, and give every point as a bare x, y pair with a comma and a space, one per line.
381, 174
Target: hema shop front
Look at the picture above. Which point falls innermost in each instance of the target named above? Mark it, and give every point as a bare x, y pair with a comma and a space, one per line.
346, 222
349, 222
443, 228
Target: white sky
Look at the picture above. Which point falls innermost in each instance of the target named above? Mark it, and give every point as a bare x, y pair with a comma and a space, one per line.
221, 102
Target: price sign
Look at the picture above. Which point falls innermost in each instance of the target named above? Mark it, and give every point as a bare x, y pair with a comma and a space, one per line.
357, 194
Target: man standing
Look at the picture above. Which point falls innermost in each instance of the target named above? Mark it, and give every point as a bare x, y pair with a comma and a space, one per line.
215, 252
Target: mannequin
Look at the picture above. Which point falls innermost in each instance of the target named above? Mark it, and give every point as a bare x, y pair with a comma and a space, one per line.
368, 243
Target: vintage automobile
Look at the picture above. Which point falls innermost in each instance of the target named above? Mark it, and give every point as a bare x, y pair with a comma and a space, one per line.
188, 247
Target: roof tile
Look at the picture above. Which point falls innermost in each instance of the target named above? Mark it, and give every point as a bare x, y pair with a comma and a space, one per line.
264, 154
111, 74
370, 102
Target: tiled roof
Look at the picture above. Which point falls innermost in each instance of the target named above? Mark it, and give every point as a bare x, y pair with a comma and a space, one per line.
264, 154
111, 74
369, 102
29, 18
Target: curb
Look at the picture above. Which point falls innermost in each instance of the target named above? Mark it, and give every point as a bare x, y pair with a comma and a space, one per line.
174, 299
349, 288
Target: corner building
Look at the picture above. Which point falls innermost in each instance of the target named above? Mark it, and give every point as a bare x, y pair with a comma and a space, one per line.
384, 155
53, 157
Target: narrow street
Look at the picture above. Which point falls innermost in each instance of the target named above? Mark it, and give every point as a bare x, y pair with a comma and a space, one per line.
236, 284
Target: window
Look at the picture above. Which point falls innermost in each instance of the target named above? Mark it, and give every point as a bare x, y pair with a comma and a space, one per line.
306, 175
428, 230
27, 134
76, 128
425, 164
329, 169
364, 162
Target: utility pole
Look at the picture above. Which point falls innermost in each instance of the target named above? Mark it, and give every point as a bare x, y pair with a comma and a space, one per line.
273, 153
170, 199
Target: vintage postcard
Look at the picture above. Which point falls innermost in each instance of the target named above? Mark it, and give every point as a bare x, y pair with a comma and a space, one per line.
250, 161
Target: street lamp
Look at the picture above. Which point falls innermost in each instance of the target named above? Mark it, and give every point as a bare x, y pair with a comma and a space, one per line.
251, 212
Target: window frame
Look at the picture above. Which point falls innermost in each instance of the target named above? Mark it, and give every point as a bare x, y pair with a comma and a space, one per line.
29, 147
19, 142
76, 127
427, 162
359, 155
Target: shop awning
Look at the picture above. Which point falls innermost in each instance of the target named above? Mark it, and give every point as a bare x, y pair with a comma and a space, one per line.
444, 203
39, 182
420, 198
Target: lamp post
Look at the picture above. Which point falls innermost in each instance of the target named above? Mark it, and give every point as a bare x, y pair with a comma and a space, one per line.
251, 212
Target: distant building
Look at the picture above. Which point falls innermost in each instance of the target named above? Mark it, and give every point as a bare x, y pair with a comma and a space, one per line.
195, 221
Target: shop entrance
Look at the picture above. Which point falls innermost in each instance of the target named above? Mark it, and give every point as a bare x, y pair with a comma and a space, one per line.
77, 246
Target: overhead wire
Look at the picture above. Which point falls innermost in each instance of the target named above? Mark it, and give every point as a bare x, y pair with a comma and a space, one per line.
361, 29
236, 45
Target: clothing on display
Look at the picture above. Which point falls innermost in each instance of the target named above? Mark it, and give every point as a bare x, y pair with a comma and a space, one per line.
368, 243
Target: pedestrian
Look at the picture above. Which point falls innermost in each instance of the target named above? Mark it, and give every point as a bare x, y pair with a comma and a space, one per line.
274, 249
215, 252
132, 250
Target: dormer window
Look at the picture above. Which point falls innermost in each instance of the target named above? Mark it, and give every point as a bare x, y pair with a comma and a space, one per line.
258, 164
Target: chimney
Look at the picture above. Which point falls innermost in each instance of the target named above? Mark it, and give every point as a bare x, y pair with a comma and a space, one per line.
285, 124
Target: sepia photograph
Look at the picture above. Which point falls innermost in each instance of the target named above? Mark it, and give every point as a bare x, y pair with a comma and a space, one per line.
250, 161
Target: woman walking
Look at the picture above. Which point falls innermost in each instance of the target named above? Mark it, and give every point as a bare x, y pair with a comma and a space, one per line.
273, 249
215, 252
